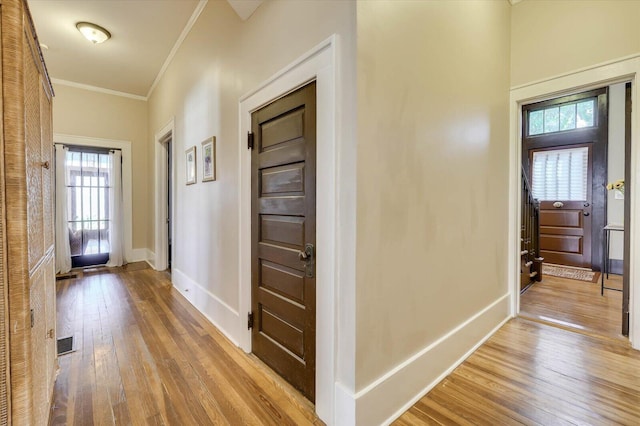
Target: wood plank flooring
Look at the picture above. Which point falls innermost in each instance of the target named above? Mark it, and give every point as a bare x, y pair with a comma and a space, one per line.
145, 356
576, 304
537, 374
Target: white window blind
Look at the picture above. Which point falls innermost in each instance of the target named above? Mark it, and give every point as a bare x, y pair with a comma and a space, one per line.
560, 174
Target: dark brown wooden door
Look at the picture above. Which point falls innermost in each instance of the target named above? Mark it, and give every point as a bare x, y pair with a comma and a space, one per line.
565, 225
283, 204
571, 234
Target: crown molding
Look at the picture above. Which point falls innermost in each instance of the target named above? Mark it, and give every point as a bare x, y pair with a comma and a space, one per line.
187, 28
97, 89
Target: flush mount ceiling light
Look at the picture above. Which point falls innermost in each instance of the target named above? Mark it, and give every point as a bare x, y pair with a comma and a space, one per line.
92, 32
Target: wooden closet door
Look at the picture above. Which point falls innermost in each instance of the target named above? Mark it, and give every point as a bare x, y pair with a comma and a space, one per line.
4, 311
50, 339
48, 182
34, 163
39, 349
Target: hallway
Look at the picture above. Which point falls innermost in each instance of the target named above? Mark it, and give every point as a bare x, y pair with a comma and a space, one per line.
144, 355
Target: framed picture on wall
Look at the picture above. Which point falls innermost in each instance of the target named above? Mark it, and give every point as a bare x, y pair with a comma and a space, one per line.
190, 159
209, 159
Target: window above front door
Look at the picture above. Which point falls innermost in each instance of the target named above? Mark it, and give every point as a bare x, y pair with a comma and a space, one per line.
561, 118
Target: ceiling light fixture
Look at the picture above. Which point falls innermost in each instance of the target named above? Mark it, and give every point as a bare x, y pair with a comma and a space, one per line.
92, 32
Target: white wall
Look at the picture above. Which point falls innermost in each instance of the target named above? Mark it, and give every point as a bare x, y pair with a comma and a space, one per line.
615, 166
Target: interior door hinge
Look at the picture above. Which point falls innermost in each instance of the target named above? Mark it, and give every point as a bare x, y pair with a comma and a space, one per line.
250, 140
33, 319
250, 321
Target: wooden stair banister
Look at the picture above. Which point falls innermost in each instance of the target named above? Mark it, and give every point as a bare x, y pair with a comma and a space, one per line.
530, 259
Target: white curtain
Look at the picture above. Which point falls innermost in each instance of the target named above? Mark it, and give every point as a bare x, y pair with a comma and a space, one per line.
116, 240
63, 251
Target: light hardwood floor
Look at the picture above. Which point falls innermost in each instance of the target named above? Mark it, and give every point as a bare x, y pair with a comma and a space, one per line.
146, 356
576, 305
537, 374
563, 362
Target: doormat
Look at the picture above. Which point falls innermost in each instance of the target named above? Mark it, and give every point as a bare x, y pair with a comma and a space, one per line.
65, 345
570, 272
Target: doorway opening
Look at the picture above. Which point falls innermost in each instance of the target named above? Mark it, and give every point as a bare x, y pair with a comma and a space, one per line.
91, 211
283, 223
316, 65
574, 149
164, 198
169, 202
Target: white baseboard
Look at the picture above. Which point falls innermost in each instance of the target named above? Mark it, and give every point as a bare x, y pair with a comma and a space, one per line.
387, 398
137, 255
223, 316
345, 406
151, 259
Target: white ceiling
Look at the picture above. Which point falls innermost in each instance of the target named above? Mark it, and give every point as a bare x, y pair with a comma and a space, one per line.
144, 35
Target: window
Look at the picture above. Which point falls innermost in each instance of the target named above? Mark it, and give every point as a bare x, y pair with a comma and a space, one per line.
88, 206
560, 118
560, 174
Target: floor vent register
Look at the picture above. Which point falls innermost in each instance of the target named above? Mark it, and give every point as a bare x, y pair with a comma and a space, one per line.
65, 345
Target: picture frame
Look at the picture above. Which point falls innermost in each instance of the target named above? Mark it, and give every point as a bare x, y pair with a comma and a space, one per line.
190, 165
209, 159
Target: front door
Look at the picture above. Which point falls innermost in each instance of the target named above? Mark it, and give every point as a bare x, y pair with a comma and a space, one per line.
283, 215
566, 204
565, 156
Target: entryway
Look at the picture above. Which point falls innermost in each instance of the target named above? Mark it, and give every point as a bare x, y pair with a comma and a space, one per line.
572, 147
575, 305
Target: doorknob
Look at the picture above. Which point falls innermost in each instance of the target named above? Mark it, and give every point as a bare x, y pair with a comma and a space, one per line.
307, 256
558, 204
585, 214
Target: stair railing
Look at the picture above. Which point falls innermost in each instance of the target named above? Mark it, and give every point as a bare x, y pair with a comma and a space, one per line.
530, 235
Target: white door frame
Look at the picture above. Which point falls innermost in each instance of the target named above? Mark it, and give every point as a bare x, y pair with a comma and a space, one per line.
162, 241
130, 254
319, 65
622, 70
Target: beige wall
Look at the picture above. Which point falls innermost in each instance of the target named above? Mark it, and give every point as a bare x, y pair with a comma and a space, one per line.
81, 112
222, 59
552, 37
432, 191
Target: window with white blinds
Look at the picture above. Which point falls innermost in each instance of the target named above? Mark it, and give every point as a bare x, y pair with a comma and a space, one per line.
560, 174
